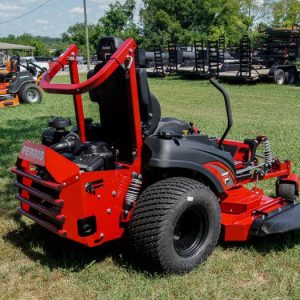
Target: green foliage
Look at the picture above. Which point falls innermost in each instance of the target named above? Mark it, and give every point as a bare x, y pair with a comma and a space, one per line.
184, 21
256, 10
173, 20
286, 13
29, 40
117, 20
52, 43
76, 35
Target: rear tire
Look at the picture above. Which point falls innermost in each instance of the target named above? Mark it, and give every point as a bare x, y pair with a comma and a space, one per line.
175, 225
290, 77
279, 77
30, 93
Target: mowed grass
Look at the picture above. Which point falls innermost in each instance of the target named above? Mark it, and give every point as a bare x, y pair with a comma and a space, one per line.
35, 264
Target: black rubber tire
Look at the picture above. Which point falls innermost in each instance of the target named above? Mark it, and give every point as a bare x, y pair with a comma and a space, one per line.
279, 77
28, 90
290, 77
287, 191
153, 229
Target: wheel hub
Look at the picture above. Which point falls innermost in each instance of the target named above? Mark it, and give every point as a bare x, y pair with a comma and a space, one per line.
32, 95
190, 232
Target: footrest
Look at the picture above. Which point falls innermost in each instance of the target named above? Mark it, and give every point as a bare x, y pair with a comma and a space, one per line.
282, 220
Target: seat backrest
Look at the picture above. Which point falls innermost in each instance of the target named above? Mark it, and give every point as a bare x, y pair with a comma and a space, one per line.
149, 105
13, 64
115, 105
115, 112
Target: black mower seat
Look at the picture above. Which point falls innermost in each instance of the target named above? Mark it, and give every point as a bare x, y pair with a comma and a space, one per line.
149, 105
150, 111
113, 93
4, 77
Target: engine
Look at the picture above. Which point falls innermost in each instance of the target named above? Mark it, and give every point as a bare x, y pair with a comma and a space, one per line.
93, 155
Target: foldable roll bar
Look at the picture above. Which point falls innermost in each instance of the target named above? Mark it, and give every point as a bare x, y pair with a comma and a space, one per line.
123, 55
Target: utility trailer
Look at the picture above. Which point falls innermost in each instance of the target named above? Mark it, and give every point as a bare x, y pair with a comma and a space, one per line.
207, 59
156, 62
273, 60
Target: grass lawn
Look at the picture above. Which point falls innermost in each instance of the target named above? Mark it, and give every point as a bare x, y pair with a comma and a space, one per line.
37, 264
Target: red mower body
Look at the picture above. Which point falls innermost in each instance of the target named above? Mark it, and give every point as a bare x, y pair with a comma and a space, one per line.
67, 200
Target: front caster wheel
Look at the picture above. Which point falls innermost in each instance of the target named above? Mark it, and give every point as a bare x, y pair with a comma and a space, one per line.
175, 225
286, 191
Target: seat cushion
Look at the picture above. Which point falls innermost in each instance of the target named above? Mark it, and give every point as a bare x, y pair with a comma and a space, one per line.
171, 125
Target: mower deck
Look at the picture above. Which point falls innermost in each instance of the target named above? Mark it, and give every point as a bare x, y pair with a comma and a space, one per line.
245, 214
6, 99
284, 219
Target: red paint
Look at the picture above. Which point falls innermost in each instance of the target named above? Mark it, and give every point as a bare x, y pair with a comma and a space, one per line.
64, 186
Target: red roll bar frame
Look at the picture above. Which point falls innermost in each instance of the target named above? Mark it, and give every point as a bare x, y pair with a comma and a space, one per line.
124, 54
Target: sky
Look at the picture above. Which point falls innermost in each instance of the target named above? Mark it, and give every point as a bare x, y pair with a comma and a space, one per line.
52, 19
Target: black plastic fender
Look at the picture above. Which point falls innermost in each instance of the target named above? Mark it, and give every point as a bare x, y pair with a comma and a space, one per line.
21, 79
187, 153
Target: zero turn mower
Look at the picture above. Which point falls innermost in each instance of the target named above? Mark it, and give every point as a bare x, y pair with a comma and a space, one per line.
171, 189
16, 85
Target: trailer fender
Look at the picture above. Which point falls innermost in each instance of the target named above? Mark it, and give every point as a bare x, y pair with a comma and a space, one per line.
285, 68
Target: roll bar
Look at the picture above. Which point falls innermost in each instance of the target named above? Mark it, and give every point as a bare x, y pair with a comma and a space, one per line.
119, 57
123, 55
219, 87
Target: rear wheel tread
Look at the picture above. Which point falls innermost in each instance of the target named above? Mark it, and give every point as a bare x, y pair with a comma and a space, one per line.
151, 217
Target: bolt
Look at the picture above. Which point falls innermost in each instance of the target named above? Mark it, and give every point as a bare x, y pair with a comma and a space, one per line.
114, 193
108, 211
126, 212
64, 184
99, 196
101, 235
77, 177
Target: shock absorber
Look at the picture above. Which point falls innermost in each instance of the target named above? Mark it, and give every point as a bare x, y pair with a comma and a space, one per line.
133, 190
267, 152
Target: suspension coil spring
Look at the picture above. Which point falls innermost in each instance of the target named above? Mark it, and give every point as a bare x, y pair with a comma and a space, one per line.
267, 151
133, 189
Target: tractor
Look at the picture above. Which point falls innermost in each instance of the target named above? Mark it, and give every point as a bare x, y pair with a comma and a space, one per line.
17, 85
171, 191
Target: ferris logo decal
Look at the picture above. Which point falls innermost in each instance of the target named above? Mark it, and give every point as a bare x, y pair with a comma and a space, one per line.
33, 152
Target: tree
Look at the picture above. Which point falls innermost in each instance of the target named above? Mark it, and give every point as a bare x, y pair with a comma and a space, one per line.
184, 21
29, 40
118, 21
256, 10
286, 13
76, 35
